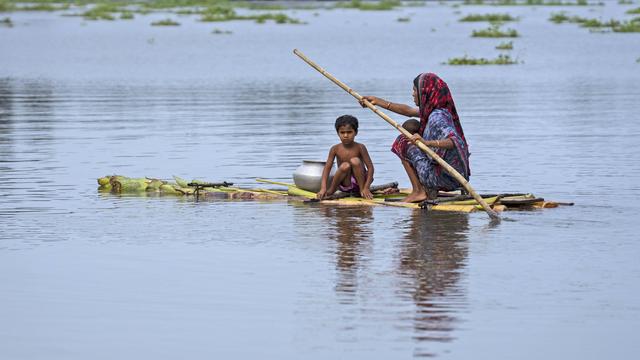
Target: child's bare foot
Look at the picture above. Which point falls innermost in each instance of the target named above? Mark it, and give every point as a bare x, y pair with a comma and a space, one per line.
416, 197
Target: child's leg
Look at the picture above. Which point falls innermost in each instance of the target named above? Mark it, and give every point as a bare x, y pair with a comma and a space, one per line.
359, 172
342, 174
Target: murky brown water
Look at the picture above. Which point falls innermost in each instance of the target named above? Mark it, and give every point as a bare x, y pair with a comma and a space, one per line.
86, 275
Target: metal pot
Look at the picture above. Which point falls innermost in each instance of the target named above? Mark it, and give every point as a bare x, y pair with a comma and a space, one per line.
308, 176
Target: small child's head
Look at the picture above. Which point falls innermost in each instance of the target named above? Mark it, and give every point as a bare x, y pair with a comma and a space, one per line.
347, 120
412, 126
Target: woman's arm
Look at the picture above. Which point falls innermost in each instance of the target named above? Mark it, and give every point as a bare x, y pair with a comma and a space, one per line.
401, 109
442, 143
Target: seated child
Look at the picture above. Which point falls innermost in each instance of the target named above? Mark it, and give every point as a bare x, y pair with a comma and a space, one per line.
355, 169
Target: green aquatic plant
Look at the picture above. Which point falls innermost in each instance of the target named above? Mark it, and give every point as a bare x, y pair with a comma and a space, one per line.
505, 46
218, 12
104, 11
414, 3
165, 22
559, 18
43, 7
527, 2
494, 31
625, 2
633, 11
6, 6
371, 6
278, 18
466, 60
632, 26
488, 17
261, 6
126, 15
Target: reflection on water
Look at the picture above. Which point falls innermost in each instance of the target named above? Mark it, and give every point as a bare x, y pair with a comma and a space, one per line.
362, 280
350, 230
432, 258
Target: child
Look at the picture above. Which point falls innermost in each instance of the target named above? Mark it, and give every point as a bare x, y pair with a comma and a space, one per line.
412, 126
355, 169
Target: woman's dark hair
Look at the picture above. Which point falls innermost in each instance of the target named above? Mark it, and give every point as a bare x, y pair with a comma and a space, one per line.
416, 82
347, 120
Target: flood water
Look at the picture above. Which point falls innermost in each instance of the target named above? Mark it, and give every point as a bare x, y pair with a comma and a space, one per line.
85, 275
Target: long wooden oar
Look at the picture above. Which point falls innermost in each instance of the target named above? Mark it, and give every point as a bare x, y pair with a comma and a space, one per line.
404, 132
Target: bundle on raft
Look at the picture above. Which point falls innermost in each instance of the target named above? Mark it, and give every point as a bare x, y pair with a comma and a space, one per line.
383, 195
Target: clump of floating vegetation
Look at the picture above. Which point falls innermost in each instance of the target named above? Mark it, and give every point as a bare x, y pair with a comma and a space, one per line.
165, 22
224, 12
634, 11
466, 60
6, 22
262, 6
528, 2
488, 17
625, 2
219, 12
103, 11
6, 6
414, 3
42, 7
404, 19
505, 46
217, 31
494, 31
362, 5
126, 15
278, 18
632, 25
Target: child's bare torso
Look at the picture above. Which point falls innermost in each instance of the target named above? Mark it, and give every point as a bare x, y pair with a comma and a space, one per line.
346, 153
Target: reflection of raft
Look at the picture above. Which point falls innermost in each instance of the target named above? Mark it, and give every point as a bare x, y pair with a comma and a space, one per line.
386, 195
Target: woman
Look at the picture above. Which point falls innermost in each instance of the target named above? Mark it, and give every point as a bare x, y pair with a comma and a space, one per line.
441, 130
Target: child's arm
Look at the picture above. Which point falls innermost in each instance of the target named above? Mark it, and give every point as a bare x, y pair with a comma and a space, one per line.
326, 172
366, 190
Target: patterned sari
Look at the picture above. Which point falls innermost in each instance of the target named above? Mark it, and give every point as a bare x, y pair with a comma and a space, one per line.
438, 121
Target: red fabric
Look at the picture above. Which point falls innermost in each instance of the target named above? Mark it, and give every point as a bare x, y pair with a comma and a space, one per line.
433, 93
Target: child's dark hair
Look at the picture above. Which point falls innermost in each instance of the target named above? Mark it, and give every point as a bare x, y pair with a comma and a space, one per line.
412, 126
347, 120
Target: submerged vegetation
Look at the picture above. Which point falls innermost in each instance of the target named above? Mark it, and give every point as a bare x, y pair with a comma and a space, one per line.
494, 31
217, 31
505, 46
488, 17
6, 22
633, 11
466, 60
632, 25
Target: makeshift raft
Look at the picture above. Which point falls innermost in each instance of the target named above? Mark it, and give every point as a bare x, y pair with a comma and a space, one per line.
384, 195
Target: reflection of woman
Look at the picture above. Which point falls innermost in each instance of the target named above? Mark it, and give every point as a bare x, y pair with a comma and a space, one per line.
440, 128
433, 255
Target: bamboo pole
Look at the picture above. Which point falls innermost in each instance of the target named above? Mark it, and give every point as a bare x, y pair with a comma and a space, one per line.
404, 132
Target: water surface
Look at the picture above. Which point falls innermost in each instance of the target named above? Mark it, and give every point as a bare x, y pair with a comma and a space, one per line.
88, 275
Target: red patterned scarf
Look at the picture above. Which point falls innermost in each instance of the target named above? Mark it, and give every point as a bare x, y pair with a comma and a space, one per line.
433, 93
